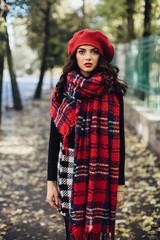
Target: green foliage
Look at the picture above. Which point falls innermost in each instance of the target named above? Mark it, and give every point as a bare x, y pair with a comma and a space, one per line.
2, 27
61, 30
2, 34
111, 16
114, 9
155, 23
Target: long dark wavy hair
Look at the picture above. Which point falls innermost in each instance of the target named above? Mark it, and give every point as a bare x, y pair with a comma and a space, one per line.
107, 70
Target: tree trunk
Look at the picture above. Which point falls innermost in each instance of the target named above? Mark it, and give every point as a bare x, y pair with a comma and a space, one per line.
130, 22
1, 78
84, 15
15, 91
51, 79
38, 91
2, 51
146, 53
147, 18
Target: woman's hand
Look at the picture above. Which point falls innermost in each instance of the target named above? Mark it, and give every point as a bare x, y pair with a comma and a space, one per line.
120, 195
52, 194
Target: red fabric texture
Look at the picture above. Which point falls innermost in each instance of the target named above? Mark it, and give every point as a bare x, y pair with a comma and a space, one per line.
96, 154
94, 38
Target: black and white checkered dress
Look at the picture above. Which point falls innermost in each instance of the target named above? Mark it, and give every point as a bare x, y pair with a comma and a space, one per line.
64, 179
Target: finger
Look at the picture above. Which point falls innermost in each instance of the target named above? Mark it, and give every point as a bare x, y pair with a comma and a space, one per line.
52, 204
119, 204
57, 200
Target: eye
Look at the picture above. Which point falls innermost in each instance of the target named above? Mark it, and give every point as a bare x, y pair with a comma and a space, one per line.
81, 51
95, 51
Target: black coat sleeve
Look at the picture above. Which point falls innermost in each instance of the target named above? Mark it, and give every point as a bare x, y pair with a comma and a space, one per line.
121, 180
53, 151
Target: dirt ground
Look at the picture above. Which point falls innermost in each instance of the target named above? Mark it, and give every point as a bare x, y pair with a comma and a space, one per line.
25, 213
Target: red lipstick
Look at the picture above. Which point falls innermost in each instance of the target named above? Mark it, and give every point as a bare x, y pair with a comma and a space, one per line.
88, 64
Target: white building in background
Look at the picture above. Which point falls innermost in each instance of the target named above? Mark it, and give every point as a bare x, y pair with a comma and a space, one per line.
24, 57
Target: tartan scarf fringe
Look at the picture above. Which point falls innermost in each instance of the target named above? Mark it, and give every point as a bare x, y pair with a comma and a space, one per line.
92, 236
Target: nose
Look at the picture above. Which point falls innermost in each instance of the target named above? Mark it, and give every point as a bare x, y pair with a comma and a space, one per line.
88, 55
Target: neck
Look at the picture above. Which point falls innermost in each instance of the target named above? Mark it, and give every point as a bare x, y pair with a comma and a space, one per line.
86, 75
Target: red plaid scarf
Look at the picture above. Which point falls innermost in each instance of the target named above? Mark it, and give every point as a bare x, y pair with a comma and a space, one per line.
96, 154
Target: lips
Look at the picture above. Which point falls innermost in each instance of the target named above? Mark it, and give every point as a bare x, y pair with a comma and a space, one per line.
88, 64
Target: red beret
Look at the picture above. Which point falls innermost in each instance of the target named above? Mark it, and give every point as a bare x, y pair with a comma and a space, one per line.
94, 38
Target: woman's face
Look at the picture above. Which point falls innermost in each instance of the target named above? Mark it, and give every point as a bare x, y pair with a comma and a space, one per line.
87, 57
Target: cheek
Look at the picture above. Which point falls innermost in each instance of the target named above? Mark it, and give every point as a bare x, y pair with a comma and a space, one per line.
97, 60
78, 58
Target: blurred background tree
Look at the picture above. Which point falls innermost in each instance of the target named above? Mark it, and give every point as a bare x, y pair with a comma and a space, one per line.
4, 10
125, 20
48, 33
2, 50
40, 22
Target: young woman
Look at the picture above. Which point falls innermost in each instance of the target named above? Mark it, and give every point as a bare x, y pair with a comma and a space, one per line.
87, 146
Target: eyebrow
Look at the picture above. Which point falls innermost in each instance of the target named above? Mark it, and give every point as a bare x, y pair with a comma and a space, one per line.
90, 49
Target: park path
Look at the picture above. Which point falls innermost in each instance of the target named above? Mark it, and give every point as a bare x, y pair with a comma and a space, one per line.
25, 213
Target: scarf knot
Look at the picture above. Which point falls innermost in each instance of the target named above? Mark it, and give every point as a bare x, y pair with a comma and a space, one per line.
78, 87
